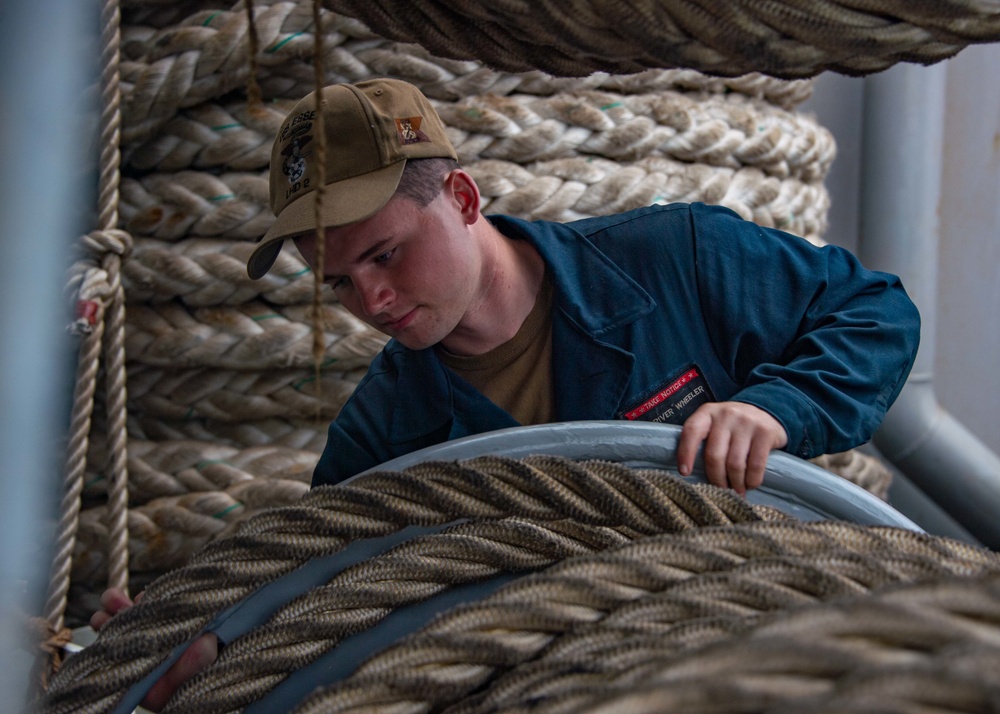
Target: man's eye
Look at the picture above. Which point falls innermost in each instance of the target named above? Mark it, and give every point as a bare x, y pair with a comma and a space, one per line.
336, 283
384, 257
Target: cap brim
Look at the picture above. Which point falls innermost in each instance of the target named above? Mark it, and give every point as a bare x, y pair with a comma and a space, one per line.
343, 202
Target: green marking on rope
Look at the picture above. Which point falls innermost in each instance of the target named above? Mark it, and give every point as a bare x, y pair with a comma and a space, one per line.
606, 107
224, 511
328, 362
189, 415
223, 127
473, 112
209, 462
297, 273
222, 197
210, 18
301, 382
258, 318
272, 50
98, 479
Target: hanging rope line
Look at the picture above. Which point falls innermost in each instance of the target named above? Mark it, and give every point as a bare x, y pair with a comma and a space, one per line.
101, 325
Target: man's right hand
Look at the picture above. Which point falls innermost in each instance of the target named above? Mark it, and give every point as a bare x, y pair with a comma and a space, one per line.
199, 655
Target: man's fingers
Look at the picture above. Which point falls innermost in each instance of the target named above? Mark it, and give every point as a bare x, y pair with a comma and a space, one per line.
737, 466
737, 440
716, 455
199, 655
113, 601
757, 462
693, 433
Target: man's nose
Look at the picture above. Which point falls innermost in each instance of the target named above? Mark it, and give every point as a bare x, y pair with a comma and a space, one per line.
375, 296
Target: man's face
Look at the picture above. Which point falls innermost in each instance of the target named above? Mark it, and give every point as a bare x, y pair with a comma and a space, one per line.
407, 271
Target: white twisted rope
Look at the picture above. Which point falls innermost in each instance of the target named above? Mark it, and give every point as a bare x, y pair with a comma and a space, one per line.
175, 206
302, 433
251, 336
236, 396
179, 467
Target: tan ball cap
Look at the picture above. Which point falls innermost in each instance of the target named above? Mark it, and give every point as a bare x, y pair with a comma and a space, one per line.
371, 128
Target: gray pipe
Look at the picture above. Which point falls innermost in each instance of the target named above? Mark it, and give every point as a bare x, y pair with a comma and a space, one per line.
902, 150
44, 50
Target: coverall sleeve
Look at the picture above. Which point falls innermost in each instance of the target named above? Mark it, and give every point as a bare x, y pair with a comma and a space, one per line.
353, 444
815, 339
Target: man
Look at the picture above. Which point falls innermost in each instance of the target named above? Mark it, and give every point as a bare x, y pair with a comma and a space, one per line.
751, 338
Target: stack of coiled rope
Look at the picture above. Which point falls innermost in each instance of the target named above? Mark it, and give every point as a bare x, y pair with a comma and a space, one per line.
218, 364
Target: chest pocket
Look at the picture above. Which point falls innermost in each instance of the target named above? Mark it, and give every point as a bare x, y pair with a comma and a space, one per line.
673, 401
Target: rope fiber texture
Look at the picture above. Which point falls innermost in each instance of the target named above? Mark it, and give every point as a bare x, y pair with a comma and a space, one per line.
783, 38
594, 495
591, 620
912, 647
524, 515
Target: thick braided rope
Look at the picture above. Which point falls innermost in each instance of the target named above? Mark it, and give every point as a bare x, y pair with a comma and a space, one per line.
206, 55
174, 207
175, 468
589, 617
594, 494
187, 494
449, 78
868, 473
721, 130
202, 272
782, 38
231, 396
910, 647
299, 433
165, 532
252, 336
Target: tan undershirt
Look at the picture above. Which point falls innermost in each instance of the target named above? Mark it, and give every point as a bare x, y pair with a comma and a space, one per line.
517, 375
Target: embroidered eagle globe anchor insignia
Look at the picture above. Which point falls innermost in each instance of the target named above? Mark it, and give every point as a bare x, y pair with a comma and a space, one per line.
294, 164
408, 130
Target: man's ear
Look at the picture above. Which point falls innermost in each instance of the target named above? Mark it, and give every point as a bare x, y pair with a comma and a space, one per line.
462, 188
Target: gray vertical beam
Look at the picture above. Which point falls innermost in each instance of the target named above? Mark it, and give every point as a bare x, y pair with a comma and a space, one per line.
900, 227
46, 47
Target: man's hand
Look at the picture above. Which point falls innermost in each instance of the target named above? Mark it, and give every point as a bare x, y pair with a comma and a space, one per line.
199, 655
737, 436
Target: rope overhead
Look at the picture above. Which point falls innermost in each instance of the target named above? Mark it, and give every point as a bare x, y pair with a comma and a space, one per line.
782, 38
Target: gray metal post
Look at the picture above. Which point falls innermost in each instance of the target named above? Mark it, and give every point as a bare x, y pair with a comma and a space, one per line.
46, 47
900, 202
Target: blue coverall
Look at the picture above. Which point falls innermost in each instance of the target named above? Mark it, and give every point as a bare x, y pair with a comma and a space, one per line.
654, 312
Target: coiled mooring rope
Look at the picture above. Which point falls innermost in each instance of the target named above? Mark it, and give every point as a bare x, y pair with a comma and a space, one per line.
913, 647
783, 38
537, 511
273, 542
600, 621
